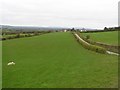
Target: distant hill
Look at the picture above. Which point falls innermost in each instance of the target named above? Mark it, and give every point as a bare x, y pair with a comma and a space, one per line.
29, 28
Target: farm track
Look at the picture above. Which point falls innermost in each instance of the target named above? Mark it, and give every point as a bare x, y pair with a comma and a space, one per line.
108, 52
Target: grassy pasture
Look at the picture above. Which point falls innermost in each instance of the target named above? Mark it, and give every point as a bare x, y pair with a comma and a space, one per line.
105, 37
56, 60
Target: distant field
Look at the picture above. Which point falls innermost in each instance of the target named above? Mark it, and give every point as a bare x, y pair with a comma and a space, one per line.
105, 37
56, 60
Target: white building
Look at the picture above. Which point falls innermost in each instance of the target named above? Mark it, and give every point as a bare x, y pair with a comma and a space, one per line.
65, 30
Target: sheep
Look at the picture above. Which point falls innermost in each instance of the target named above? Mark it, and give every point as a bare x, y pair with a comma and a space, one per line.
11, 63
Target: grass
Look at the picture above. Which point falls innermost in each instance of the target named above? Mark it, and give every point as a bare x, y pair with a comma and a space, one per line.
105, 37
56, 60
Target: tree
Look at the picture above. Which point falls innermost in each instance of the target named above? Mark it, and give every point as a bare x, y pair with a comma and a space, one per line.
105, 28
72, 29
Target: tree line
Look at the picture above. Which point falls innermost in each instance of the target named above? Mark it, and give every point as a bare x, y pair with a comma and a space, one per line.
111, 28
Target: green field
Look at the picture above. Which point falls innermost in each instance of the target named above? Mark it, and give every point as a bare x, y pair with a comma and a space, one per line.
56, 60
105, 37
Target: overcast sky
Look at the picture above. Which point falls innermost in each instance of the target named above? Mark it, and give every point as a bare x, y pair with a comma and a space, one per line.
68, 13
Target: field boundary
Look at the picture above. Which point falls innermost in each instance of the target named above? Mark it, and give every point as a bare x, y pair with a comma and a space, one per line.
93, 47
21, 36
112, 48
88, 45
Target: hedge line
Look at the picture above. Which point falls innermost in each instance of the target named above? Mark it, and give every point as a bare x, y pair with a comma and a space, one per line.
91, 47
22, 36
112, 48
16, 36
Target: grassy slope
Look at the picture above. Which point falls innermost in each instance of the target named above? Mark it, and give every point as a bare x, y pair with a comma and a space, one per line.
56, 60
105, 37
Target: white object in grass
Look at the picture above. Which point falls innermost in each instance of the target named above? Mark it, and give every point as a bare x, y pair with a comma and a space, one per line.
11, 63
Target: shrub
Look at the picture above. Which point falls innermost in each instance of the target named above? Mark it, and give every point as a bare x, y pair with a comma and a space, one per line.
88, 37
17, 36
29, 35
10, 37
36, 33
3, 38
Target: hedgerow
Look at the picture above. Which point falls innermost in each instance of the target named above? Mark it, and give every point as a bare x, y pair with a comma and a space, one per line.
91, 47
112, 48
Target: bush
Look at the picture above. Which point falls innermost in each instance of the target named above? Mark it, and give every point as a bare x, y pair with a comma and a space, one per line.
29, 35
10, 37
17, 36
88, 37
3, 38
36, 33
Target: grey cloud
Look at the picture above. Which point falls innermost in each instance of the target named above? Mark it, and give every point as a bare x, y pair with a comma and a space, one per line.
86, 13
